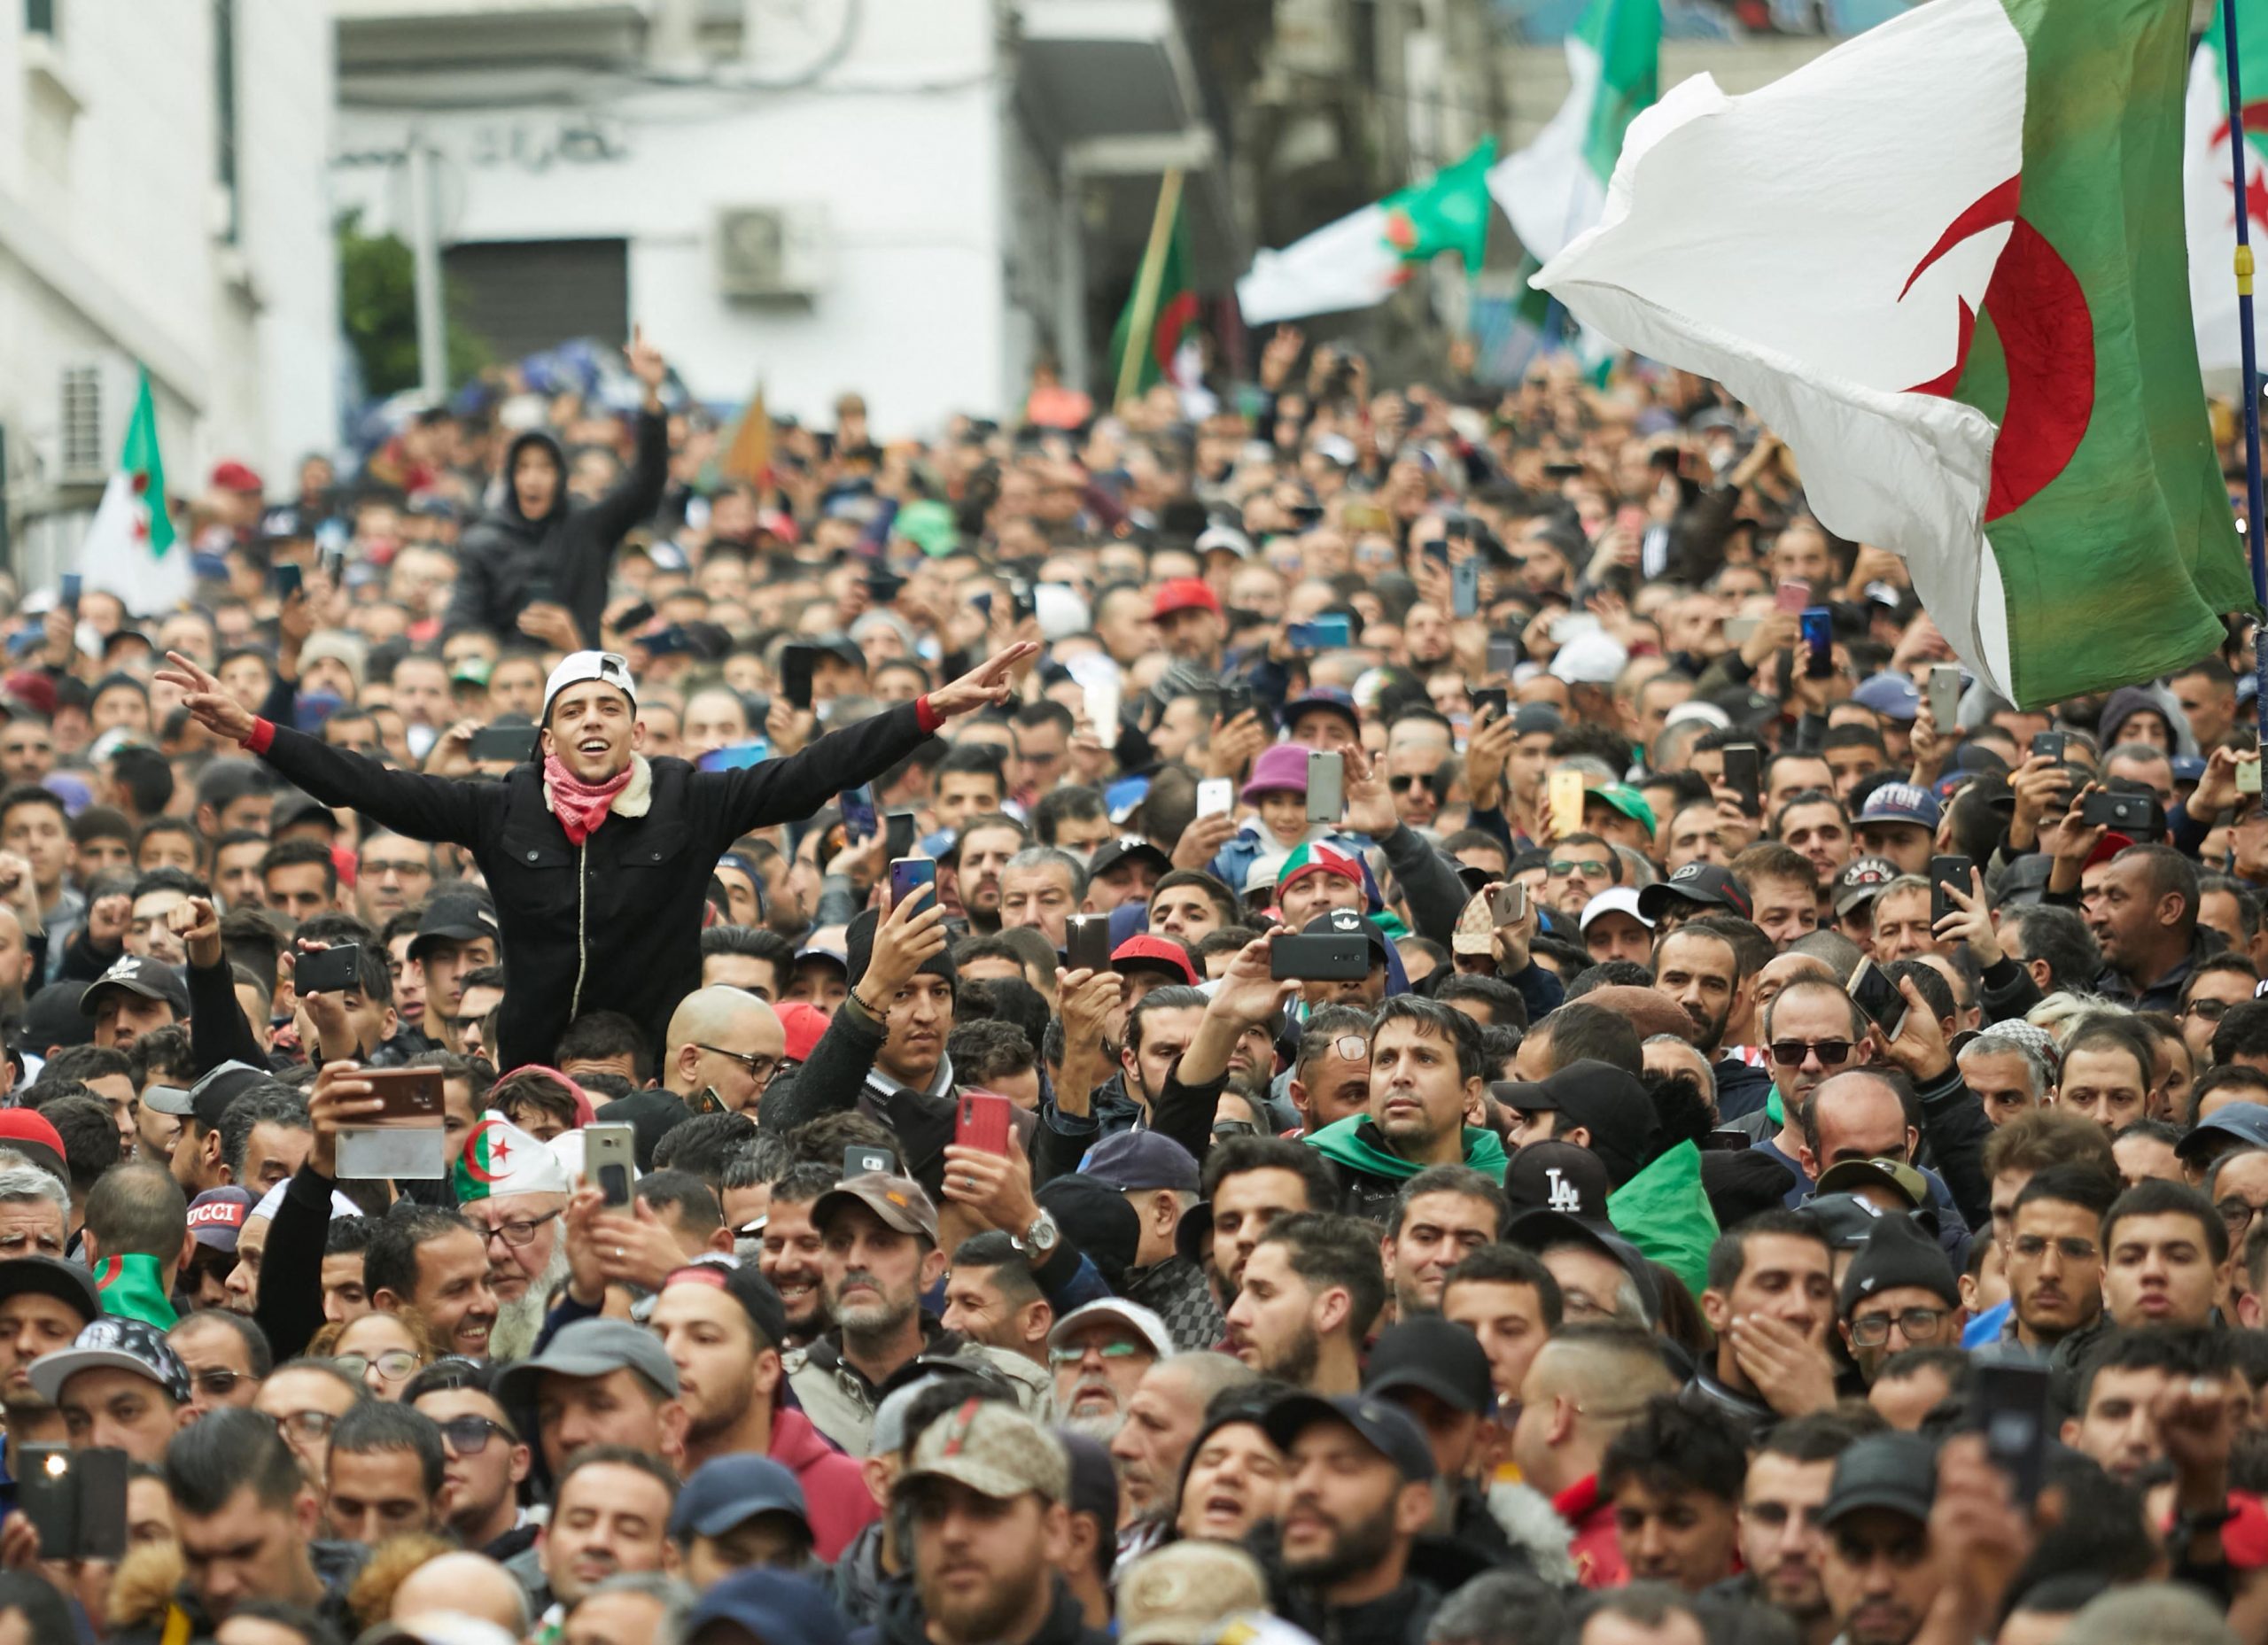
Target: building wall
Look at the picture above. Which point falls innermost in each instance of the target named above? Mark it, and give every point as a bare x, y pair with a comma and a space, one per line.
902, 140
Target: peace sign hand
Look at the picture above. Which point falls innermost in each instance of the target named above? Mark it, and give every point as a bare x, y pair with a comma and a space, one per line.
988, 683
212, 707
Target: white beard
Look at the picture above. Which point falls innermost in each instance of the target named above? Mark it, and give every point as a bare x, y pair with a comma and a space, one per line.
519, 1323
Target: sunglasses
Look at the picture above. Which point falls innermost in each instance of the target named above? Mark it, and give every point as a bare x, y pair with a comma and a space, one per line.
1403, 784
1831, 1054
469, 1435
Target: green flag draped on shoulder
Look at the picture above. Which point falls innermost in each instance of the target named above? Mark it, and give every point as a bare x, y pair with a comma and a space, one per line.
1946, 261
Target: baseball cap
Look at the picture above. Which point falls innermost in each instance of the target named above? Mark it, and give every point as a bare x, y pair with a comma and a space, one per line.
1115, 1310
1617, 899
1608, 1101
2242, 1123
2111, 843
114, 1344
1539, 1231
136, 974
1126, 847
1347, 922
1225, 537
1435, 1357
1321, 700
732, 1490
777, 1607
1594, 659
1896, 1471
1476, 926
229, 475
578, 666
992, 1448
1900, 803
1183, 594
209, 1098
1181, 1594
589, 1347
767, 1315
52, 1018
1626, 800
1384, 1426
901, 1202
1318, 856
1890, 695
1901, 1178
1133, 1161
1565, 1177
1531, 717
33, 1135
217, 1216
805, 1025
1844, 1220
1155, 953
1696, 882
453, 920
1860, 881
47, 1276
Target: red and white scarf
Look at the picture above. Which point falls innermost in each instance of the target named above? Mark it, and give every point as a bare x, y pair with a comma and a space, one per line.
582, 806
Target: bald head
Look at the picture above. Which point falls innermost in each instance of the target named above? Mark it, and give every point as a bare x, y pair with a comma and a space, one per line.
1854, 1116
471, 1584
724, 1040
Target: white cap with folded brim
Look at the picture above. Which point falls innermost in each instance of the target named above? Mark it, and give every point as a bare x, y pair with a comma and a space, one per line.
579, 666
341, 1205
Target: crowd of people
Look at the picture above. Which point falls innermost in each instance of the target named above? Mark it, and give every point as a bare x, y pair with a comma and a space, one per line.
1415, 1016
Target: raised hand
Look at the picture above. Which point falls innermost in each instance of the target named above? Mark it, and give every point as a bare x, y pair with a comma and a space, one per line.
198, 927
908, 937
201, 694
646, 365
987, 685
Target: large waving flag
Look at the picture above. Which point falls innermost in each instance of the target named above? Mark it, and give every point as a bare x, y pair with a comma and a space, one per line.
1946, 261
130, 549
1556, 188
2208, 186
1362, 258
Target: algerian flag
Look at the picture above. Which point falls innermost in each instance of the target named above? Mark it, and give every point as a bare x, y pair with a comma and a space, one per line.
130, 549
1173, 312
2208, 186
1363, 259
499, 1157
1556, 188
1946, 262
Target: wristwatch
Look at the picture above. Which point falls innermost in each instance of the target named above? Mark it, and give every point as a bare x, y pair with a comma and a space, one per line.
1040, 1239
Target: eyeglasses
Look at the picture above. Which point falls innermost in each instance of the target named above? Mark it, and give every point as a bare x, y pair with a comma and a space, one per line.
1588, 869
394, 1364
2071, 1247
1403, 784
2210, 1010
306, 1425
1109, 1350
522, 1232
1791, 1054
220, 1384
1919, 1324
468, 1436
2238, 1214
761, 1070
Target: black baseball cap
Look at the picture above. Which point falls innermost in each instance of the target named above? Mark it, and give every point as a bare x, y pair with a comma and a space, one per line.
1566, 1177
66, 1282
1696, 882
452, 918
1384, 1427
1607, 1101
1349, 922
138, 973
1894, 1471
1126, 848
1435, 1357
739, 1280
209, 1098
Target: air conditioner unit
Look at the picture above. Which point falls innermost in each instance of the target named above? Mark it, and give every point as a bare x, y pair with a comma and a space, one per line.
771, 251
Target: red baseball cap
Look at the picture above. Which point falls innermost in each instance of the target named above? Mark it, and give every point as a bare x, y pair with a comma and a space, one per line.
2105, 849
805, 1023
34, 1136
231, 476
1185, 594
1163, 951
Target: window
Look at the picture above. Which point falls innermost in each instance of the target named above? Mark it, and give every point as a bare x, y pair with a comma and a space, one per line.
39, 16
224, 113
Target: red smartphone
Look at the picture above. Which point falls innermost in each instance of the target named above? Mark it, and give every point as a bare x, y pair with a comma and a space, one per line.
1792, 597
984, 1122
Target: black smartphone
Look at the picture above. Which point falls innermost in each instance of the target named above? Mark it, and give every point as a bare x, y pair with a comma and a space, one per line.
862, 1159
2008, 1404
1878, 997
1235, 699
513, 745
1320, 959
540, 592
74, 584
908, 871
858, 821
2051, 743
333, 561
1819, 642
1503, 657
795, 664
636, 617
76, 1499
332, 970
1086, 942
2128, 813
1947, 871
899, 830
287, 578
1489, 703
1744, 775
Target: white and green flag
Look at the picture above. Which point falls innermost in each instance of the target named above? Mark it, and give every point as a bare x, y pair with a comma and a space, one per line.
131, 549
1556, 188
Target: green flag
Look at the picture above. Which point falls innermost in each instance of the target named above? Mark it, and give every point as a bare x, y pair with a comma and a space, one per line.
1172, 316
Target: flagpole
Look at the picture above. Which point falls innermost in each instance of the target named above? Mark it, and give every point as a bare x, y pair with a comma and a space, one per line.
2256, 528
1146, 286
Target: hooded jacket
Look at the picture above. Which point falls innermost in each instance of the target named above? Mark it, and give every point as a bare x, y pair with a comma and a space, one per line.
1372, 1175
836, 1501
616, 920
507, 558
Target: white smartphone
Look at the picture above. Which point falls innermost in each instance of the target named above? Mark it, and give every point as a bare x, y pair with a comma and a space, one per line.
1326, 787
1215, 796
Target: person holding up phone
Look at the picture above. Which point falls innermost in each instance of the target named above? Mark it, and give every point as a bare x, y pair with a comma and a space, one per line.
599, 859
2142, 908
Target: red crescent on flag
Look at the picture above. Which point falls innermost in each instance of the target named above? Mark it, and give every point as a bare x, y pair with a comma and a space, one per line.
473, 1168
2047, 334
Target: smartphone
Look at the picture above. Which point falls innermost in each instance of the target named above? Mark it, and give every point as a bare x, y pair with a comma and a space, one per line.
1819, 642
285, 576
1509, 905
984, 1122
1464, 587
795, 664
735, 756
1490, 702
899, 832
1235, 699
332, 970
862, 1159
1947, 871
1945, 695
1326, 787
513, 745
1503, 657
540, 591
2050, 743
906, 873
2128, 813
1320, 959
1331, 631
406, 1137
1878, 997
1215, 796
2008, 1406
76, 1499
1791, 597
73, 584
1744, 775
1086, 942
706, 1101
1566, 803
332, 558
635, 619
859, 819
2248, 777
610, 1160
1740, 630
1439, 547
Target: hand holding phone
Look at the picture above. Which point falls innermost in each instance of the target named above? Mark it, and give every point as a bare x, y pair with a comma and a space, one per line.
1215, 796
1326, 787
610, 1161
1086, 942
984, 1122
909, 871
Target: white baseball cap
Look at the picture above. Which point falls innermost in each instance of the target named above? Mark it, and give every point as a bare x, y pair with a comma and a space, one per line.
1592, 659
578, 666
1617, 899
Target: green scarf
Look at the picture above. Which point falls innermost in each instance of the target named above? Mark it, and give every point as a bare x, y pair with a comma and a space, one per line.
1664, 1212
133, 1286
1338, 1142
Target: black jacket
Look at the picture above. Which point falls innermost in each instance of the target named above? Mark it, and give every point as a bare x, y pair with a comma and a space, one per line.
903, 1623
615, 922
505, 557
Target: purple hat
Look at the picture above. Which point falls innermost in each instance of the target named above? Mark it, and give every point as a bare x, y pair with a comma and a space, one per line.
1281, 768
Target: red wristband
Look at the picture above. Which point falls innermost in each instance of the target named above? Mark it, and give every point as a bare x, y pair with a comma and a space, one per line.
926, 716
262, 734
